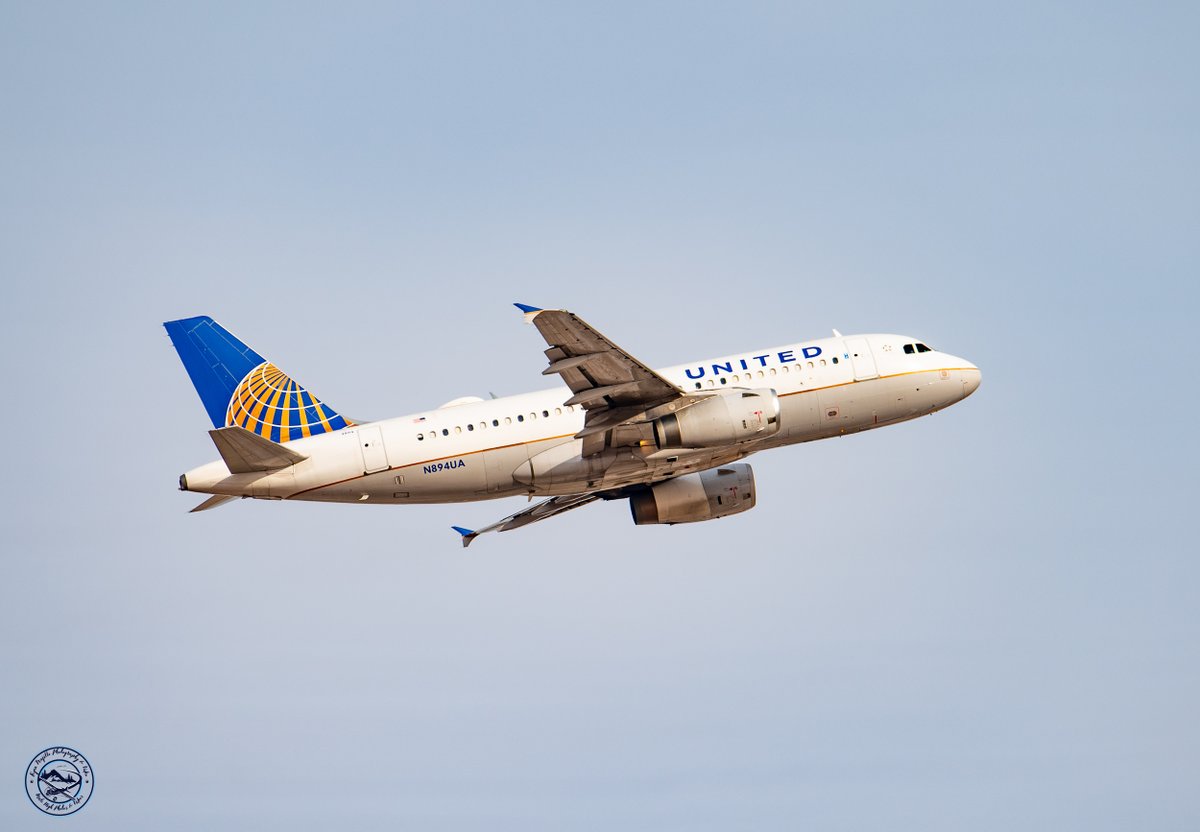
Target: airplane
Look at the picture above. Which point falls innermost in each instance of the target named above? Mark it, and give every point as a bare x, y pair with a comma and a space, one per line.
669, 441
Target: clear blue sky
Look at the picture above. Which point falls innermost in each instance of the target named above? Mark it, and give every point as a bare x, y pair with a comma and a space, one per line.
985, 619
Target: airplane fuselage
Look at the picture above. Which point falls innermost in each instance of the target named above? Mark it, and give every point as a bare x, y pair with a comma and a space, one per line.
525, 444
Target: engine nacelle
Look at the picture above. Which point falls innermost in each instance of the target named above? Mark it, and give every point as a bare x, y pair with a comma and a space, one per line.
695, 497
726, 418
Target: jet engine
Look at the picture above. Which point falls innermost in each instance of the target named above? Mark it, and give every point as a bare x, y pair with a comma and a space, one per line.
694, 497
726, 418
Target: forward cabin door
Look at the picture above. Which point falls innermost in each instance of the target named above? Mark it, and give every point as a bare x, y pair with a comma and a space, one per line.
370, 439
861, 358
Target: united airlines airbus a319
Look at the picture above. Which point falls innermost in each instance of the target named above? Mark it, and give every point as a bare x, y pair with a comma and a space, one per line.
668, 440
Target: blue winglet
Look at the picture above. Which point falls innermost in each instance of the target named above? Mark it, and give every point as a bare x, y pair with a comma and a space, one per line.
467, 535
526, 308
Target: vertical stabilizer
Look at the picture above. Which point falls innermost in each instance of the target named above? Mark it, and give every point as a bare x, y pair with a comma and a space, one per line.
240, 388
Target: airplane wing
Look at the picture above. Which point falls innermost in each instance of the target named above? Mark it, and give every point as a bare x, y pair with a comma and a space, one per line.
610, 385
532, 514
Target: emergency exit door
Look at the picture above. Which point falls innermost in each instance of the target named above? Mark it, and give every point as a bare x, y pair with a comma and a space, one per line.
370, 439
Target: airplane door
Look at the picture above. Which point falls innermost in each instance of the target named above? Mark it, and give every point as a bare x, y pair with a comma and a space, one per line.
370, 439
861, 358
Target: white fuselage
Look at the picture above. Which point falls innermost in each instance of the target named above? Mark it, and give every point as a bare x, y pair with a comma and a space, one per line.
525, 444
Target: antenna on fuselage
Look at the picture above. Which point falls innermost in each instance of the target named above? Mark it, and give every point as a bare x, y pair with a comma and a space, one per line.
837, 334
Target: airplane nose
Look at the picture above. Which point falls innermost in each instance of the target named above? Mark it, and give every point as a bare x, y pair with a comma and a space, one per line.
971, 379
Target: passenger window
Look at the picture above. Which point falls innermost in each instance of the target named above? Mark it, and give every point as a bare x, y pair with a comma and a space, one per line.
457, 429
810, 365
772, 371
710, 383
420, 436
822, 362
532, 415
835, 359
508, 420
760, 373
558, 411
495, 423
520, 418
470, 426
445, 431
724, 380
545, 414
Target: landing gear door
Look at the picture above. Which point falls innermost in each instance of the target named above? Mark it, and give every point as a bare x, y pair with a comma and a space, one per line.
370, 439
860, 356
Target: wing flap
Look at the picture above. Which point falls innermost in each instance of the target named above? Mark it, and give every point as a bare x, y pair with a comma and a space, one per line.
587, 359
610, 391
608, 419
569, 363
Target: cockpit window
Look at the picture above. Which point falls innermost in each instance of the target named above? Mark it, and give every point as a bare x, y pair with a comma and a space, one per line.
923, 348
909, 349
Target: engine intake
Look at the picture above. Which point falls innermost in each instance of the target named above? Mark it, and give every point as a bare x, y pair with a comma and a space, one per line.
726, 418
694, 497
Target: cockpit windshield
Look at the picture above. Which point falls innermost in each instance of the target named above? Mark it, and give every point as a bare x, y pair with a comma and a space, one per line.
909, 349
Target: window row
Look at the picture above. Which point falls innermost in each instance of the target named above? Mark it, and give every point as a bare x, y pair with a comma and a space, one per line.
738, 377
507, 420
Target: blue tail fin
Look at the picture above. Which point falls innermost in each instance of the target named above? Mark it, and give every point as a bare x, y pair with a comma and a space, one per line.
239, 387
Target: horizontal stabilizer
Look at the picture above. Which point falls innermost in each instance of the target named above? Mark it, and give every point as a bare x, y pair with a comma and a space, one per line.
246, 453
213, 502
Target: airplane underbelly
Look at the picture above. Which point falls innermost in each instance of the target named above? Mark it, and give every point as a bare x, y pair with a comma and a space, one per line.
866, 404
